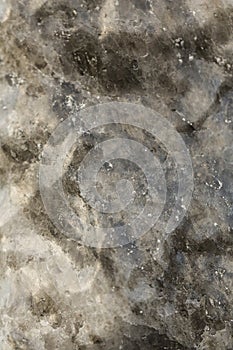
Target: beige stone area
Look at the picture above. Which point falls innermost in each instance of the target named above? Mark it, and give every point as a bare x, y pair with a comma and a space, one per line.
60, 57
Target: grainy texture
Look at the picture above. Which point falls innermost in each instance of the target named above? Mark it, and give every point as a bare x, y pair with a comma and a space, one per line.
57, 57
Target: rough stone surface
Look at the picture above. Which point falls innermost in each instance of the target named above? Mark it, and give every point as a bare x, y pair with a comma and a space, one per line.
57, 57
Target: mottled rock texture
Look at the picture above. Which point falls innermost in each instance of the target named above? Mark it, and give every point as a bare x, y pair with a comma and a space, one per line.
57, 57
